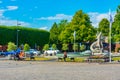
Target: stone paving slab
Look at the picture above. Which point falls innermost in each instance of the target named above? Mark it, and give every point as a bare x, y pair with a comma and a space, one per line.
36, 70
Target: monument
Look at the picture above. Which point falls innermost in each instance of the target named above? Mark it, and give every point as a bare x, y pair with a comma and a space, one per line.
97, 46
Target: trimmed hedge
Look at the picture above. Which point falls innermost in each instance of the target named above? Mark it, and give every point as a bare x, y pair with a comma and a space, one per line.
27, 35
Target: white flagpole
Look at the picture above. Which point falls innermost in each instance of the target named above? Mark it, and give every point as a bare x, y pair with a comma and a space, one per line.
110, 20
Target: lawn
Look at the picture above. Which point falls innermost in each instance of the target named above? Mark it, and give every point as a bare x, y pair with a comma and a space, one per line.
116, 58
77, 59
39, 59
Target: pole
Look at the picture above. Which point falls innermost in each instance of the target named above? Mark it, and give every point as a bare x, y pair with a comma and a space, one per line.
17, 34
17, 39
110, 20
110, 42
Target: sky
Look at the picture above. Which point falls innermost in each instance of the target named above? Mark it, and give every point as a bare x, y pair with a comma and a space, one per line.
42, 14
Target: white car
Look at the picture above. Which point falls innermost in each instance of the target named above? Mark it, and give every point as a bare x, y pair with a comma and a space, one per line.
51, 52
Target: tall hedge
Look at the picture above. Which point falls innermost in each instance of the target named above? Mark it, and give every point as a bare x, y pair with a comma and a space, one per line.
27, 35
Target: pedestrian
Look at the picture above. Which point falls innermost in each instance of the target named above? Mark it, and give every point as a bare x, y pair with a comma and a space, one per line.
21, 55
65, 56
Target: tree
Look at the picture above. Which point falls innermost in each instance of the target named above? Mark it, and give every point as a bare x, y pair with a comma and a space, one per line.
82, 47
54, 34
75, 46
54, 46
64, 46
104, 27
116, 27
26, 47
65, 36
81, 24
118, 9
11, 46
62, 25
46, 47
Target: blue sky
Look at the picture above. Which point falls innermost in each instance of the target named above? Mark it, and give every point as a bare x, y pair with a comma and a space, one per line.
43, 13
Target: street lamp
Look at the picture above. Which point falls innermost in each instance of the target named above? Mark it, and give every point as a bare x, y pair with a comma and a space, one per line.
17, 33
17, 38
74, 35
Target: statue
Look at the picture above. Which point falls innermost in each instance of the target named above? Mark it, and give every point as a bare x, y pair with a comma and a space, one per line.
97, 46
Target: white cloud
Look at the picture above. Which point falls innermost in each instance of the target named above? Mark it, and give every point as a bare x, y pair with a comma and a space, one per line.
96, 17
6, 21
12, 7
57, 17
1, 12
9, 22
44, 28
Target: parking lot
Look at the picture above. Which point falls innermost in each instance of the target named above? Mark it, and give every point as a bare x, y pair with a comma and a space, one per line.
40, 70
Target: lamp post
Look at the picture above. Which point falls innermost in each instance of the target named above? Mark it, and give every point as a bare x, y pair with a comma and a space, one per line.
17, 34
74, 34
17, 37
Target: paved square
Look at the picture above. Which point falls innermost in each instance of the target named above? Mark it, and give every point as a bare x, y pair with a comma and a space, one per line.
35, 70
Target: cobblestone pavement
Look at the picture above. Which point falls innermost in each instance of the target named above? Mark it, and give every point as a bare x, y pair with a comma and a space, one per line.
34, 70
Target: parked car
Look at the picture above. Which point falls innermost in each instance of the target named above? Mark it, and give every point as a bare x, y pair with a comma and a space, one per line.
51, 52
34, 51
2, 54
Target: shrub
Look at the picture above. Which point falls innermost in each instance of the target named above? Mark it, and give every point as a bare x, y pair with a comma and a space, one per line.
11, 46
26, 47
46, 47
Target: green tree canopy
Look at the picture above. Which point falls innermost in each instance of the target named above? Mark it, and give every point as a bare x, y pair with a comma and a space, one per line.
54, 34
82, 47
118, 9
116, 27
62, 25
11, 46
54, 46
46, 47
26, 47
75, 46
82, 25
64, 46
104, 27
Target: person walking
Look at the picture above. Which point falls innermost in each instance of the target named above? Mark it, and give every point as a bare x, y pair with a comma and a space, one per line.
65, 56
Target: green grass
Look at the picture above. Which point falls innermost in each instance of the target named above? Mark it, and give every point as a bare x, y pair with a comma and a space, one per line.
39, 59
77, 59
116, 58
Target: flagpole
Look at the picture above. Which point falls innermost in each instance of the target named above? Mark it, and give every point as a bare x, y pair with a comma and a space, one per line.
110, 43
110, 20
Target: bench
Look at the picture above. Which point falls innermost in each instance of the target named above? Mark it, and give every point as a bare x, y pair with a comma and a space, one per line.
96, 60
32, 57
71, 58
